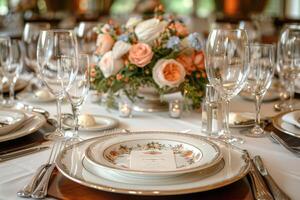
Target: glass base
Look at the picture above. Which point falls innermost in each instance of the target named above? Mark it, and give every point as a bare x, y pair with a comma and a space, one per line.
231, 139
257, 131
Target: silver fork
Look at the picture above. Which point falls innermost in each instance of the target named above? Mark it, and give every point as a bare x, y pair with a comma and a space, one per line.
295, 151
41, 189
31, 186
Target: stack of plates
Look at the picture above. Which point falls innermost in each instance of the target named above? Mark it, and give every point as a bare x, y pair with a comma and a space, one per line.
288, 123
141, 163
16, 123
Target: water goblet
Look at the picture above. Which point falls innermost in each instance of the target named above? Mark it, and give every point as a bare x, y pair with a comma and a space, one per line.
79, 90
288, 58
227, 69
57, 63
261, 70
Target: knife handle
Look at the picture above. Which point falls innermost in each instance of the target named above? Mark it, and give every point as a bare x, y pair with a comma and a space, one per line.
260, 190
276, 191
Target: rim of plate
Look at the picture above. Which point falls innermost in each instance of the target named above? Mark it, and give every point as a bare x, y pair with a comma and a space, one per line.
214, 161
242, 173
278, 118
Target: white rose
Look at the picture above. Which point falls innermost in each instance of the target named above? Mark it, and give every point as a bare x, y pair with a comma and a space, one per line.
133, 21
149, 30
168, 72
110, 66
120, 49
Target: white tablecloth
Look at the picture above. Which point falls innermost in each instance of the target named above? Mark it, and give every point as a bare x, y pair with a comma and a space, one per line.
282, 165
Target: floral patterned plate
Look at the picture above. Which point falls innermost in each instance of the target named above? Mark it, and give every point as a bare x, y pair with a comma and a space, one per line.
190, 154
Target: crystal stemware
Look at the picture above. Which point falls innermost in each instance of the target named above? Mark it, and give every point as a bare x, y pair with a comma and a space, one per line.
5, 60
261, 70
227, 69
79, 90
57, 61
288, 58
14, 69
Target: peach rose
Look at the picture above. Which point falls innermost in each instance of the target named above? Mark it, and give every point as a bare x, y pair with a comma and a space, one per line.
187, 62
110, 66
168, 72
140, 54
181, 29
104, 43
198, 59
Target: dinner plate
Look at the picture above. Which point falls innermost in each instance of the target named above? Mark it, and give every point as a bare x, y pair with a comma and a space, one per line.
286, 127
70, 163
37, 122
31, 97
189, 154
102, 123
20, 85
10, 120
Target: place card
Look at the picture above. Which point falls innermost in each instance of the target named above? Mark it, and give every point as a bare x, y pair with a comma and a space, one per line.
148, 160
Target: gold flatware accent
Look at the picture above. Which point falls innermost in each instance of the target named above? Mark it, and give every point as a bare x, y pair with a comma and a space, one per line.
22, 152
277, 193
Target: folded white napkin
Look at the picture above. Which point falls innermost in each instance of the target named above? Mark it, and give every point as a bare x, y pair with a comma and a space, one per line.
292, 118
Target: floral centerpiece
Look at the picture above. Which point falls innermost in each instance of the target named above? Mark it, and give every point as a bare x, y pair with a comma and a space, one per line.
157, 52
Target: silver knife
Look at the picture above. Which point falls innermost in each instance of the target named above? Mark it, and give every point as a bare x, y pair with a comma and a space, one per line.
22, 152
277, 193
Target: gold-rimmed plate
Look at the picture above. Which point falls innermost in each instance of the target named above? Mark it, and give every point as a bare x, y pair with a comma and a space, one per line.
280, 123
70, 164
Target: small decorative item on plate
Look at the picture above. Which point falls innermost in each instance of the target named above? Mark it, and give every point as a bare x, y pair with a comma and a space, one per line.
175, 109
89, 122
86, 120
10, 119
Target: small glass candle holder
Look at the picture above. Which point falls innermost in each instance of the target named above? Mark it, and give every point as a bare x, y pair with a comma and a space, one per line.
175, 109
125, 109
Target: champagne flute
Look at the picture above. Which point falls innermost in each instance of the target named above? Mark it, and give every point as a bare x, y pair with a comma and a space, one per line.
288, 54
227, 69
5, 60
261, 64
57, 61
14, 69
79, 90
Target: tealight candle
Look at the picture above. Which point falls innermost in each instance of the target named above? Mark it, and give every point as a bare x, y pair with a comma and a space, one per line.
175, 109
124, 109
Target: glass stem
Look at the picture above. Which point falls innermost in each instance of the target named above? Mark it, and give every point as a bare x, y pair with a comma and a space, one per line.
257, 109
292, 93
75, 111
12, 90
59, 128
226, 117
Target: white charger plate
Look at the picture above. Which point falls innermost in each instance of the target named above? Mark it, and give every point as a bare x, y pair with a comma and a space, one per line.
102, 123
37, 122
12, 118
286, 127
70, 164
190, 154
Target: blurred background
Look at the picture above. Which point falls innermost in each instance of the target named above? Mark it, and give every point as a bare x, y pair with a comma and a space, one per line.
265, 16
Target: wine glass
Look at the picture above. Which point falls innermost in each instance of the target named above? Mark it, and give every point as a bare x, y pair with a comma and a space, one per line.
79, 90
57, 61
5, 60
30, 37
14, 69
261, 70
87, 37
288, 55
227, 69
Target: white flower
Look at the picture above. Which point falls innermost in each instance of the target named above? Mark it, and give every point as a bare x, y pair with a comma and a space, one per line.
120, 49
133, 21
110, 66
149, 30
168, 72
